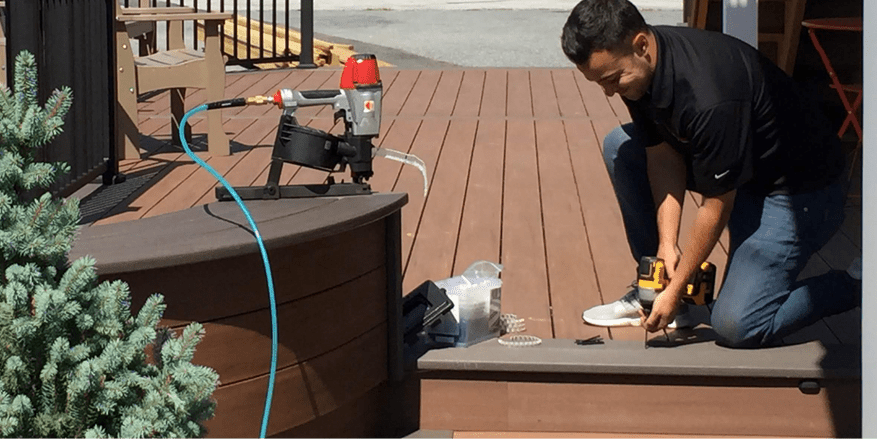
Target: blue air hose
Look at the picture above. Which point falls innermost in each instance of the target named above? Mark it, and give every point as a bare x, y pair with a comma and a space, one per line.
237, 198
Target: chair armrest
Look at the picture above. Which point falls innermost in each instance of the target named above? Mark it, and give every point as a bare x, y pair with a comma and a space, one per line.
221, 16
140, 29
161, 10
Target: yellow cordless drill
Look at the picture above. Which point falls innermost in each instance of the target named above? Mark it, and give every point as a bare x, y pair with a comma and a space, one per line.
652, 279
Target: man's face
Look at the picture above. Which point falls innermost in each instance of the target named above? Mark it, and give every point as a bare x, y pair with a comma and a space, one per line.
627, 74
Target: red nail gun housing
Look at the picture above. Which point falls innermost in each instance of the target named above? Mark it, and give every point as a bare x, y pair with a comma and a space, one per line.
360, 71
358, 104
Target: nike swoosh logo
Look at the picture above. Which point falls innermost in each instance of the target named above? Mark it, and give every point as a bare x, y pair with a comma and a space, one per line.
718, 176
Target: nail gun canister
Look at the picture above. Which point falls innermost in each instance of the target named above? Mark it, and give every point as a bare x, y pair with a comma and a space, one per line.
306, 146
360, 70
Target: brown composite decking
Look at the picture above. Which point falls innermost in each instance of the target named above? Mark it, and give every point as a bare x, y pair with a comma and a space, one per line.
516, 177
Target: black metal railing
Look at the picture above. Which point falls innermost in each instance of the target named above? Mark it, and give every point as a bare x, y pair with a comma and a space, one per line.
70, 41
250, 25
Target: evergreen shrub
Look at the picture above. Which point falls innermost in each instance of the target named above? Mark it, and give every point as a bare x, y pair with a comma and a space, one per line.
74, 360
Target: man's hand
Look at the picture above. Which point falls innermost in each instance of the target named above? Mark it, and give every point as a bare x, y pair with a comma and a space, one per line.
711, 218
663, 311
670, 254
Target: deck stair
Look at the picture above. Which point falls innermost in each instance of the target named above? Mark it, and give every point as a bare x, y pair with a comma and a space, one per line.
690, 386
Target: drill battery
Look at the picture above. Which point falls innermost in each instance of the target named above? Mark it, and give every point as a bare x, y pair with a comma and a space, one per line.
652, 279
701, 288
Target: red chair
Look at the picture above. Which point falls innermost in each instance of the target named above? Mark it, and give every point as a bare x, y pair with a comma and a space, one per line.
850, 24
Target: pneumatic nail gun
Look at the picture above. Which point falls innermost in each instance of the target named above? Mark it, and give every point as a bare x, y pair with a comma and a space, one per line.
358, 103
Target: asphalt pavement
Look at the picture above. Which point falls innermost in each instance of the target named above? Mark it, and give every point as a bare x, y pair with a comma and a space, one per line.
467, 38
467, 33
396, 5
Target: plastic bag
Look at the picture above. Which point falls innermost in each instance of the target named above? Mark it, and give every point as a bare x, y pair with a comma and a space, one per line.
477, 295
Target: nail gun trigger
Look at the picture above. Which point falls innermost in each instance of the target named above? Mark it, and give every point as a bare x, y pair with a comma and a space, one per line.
339, 114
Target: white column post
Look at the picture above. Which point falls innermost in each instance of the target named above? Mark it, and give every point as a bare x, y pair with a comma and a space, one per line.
869, 217
740, 19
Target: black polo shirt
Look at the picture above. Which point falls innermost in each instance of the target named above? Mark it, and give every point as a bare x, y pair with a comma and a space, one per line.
738, 119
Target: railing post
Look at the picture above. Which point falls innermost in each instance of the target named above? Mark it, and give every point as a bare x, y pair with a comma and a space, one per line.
112, 174
23, 32
306, 59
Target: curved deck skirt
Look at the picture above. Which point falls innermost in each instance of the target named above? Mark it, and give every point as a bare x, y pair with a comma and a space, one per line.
336, 268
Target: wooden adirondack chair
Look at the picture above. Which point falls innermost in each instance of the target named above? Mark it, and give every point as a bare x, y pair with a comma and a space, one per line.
175, 69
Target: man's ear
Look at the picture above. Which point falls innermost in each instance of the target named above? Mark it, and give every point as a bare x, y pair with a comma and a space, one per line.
640, 44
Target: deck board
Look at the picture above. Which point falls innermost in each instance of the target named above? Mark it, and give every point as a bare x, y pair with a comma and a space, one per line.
446, 92
432, 256
421, 95
525, 277
566, 240
397, 94
569, 100
519, 96
399, 137
481, 222
613, 263
493, 100
544, 95
516, 176
469, 96
427, 146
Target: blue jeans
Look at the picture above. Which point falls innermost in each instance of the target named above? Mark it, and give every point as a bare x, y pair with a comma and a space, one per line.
771, 240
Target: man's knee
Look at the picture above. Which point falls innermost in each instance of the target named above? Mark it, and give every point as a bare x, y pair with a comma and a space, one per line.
734, 330
612, 143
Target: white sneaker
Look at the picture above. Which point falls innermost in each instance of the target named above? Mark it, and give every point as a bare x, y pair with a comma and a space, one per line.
684, 318
622, 312
625, 312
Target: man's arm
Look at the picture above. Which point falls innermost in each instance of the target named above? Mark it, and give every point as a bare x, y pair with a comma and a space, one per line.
666, 170
712, 217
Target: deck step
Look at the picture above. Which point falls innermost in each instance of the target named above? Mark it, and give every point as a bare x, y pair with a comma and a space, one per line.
437, 434
442, 434
621, 357
806, 390
572, 435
